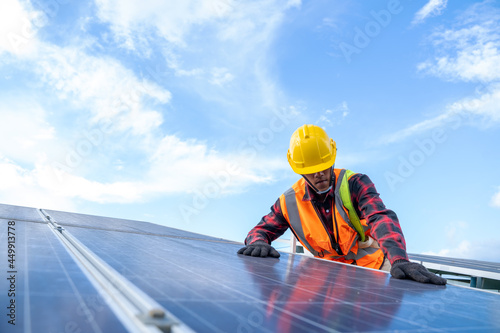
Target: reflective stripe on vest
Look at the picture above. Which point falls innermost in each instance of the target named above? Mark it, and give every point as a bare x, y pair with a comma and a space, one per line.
361, 253
295, 223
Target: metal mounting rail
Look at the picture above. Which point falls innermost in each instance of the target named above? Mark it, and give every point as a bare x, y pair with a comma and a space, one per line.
484, 269
138, 311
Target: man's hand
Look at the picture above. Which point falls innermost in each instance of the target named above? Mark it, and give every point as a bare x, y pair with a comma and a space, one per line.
259, 249
402, 269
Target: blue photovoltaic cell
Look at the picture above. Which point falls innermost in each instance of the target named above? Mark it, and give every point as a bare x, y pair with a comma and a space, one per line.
20, 213
211, 288
109, 223
52, 294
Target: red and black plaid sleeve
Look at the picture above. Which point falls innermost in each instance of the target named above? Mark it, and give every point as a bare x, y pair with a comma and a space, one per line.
270, 226
383, 222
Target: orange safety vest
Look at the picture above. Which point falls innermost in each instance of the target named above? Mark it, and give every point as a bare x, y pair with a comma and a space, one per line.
313, 235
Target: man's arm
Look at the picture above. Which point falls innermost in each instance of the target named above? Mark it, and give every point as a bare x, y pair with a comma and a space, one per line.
270, 226
260, 237
386, 230
383, 222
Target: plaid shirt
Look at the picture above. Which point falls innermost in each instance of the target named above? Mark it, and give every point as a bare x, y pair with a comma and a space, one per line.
383, 222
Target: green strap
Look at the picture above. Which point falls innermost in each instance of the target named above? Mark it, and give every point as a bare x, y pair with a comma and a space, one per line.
345, 195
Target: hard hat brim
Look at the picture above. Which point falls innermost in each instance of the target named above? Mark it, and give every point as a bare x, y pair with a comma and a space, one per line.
311, 169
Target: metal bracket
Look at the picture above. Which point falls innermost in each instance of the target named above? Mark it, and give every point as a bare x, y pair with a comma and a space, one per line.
159, 320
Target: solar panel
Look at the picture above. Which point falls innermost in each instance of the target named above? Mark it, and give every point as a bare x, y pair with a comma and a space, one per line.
204, 284
457, 262
208, 280
473, 268
48, 290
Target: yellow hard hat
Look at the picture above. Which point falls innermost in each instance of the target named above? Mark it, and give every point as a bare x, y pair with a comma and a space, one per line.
311, 150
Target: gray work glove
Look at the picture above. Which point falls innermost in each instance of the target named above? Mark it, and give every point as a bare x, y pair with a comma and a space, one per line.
259, 249
402, 269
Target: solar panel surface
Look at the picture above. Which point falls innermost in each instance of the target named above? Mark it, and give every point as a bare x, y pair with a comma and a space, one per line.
204, 283
49, 290
114, 224
20, 213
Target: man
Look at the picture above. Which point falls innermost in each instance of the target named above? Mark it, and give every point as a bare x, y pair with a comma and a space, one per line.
316, 208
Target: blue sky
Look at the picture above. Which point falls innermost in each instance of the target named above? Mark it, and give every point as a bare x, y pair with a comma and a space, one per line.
180, 112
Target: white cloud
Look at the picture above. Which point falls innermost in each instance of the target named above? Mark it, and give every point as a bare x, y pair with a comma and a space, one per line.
495, 200
100, 91
470, 52
175, 167
217, 47
21, 187
329, 22
486, 106
102, 85
174, 63
221, 76
105, 97
486, 250
70, 186
184, 166
334, 116
19, 24
441, 120
484, 110
432, 8
458, 243
111, 92
461, 250
171, 20
25, 130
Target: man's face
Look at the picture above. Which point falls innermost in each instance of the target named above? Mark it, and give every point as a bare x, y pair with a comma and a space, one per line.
321, 180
